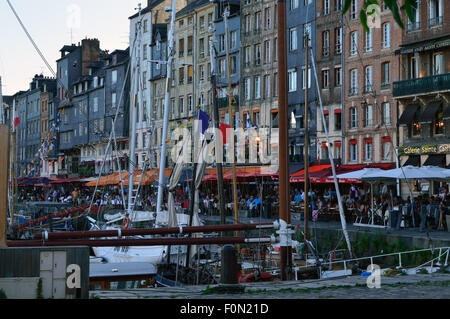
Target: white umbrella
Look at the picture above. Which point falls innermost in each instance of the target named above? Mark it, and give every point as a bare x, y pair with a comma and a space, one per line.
409, 172
360, 173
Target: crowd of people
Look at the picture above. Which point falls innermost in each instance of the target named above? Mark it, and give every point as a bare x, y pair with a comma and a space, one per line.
422, 211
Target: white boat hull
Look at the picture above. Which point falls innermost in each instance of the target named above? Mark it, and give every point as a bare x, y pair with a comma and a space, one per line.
147, 254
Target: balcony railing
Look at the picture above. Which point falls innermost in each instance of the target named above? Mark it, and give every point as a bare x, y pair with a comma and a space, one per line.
223, 101
422, 85
435, 21
412, 26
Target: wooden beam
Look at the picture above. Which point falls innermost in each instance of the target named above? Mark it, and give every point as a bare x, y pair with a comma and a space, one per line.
4, 181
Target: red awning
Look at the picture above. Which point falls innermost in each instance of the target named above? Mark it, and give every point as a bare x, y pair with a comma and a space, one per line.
337, 111
368, 140
338, 143
353, 142
386, 139
326, 112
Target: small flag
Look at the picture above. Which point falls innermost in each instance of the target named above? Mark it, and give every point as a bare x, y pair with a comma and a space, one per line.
16, 121
204, 121
223, 128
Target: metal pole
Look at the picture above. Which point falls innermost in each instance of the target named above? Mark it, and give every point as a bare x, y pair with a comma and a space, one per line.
153, 231
231, 117
217, 127
285, 248
132, 161
143, 242
166, 111
306, 146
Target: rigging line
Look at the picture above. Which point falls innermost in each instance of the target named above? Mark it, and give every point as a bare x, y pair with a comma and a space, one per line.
35, 45
373, 94
132, 49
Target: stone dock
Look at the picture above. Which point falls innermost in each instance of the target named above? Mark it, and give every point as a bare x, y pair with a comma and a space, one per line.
426, 286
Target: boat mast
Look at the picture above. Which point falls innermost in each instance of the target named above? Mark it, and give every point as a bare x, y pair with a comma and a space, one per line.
333, 169
166, 109
283, 159
136, 103
231, 117
306, 146
2, 118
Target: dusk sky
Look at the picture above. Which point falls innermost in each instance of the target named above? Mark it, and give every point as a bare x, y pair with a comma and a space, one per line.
49, 22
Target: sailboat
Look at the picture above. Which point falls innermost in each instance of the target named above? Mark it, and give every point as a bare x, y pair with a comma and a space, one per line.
151, 254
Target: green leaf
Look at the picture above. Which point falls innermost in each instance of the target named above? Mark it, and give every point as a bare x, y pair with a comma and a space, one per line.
347, 4
396, 14
363, 19
409, 6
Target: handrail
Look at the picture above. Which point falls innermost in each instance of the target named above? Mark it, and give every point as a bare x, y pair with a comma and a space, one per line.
371, 258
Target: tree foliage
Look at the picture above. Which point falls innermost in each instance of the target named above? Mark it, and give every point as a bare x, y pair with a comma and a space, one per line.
369, 11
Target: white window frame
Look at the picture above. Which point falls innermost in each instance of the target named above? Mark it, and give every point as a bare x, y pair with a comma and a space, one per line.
386, 35
292, 80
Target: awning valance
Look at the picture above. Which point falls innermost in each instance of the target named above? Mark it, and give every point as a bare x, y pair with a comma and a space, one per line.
408, 114
430, 111
435, 160
413, 160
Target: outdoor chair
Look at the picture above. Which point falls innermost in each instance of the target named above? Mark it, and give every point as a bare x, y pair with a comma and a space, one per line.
358, 215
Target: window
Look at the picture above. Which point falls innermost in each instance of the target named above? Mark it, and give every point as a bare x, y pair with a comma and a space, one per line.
113, 99
181, 75
292, 78
327, 121
368, 119
436, 12
267, 51
181, 104
354, 43
386, 35
354, 9
354, 82
294, 4
201, 45
353, 151
386, 114
386, 145
202, 22
412, 26
248, 23
172, 108
369, 37
293, 39
267, 18
368, 79
258, 21
326, 7
353, 117
144, 52
201, 72
181, 48
95, 104
304, 78
307, 33
247, 87
414, 68
247, 56
293, 121
144, 80
233, 40
325, 78
275, 84
257, 87
337, 76
438, 63
189, 45
326, 43
385, 74
337, 121
338, 5
368, 150
267, 86
275, 49
222, 67
190, 102
190, 74
257, 54
114, 76
439, 121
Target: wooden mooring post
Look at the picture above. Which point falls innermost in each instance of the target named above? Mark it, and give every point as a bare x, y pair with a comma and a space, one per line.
4, 182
